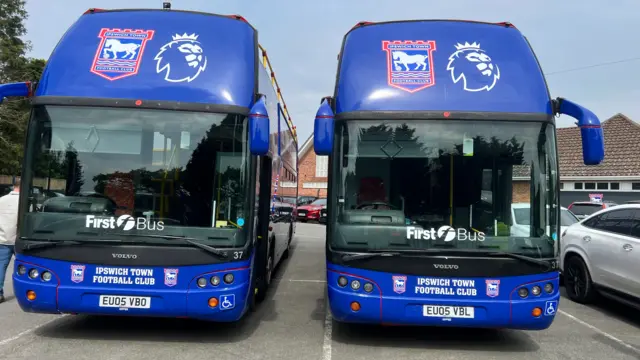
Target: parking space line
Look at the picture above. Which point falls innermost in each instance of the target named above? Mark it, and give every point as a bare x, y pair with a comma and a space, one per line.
326, 343
302, 280
601, 332
28, 331
311, 237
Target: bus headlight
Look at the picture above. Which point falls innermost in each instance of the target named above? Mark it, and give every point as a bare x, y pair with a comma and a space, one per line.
46, 276
228, 278
523, 292
22, 270
355, 285
215, 280
548, 288
33, 273
536, 290
368, 287
202, 282
342, 281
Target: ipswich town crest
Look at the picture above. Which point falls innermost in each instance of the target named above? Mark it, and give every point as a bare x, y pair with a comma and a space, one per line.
410, 64
399, 284
170, 277
493, 288
120, 52
77, 273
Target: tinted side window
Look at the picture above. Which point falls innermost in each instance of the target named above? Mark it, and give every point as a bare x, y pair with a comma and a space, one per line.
618, 222
594, 221
635, 228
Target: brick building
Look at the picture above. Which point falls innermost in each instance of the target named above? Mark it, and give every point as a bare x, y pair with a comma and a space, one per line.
617, 178
312, 171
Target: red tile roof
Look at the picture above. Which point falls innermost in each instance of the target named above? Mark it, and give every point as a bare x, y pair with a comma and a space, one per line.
621, 144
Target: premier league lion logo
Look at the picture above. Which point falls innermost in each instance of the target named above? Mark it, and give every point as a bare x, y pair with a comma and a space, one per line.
182, 59
471, 65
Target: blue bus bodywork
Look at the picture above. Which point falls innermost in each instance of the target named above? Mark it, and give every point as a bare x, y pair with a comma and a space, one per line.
175, 66
422, 81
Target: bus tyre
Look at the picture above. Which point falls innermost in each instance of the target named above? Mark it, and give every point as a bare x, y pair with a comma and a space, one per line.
289, 239
577, 280
269, 269
263, 282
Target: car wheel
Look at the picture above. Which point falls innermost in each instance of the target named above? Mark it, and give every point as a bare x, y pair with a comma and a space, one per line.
577, 280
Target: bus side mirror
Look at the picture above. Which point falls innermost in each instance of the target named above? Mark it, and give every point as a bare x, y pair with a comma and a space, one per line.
14, 89
259, 128
590, 130
323, 130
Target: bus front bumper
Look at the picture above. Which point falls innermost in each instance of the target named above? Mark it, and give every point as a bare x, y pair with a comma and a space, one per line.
397, 310
230, 304
374, 301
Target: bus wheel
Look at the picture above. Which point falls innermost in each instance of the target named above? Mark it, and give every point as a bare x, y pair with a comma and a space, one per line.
269, 271
262, 284
577, 280
289, 239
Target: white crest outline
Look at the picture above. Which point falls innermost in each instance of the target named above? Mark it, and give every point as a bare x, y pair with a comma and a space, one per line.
176, 39
460, 48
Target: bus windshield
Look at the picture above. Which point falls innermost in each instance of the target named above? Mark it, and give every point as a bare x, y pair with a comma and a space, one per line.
414, 185
108, 173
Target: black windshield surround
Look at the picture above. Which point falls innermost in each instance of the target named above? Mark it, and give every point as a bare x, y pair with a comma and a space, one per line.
174, 173
401, 194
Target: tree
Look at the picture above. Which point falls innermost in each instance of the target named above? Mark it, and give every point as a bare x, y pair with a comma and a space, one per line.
15, 66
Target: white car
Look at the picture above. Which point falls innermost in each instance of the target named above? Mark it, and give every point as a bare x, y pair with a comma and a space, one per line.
520, 214
601, 255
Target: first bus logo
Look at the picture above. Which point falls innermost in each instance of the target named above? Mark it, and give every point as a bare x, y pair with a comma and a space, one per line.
120, 52
410, 64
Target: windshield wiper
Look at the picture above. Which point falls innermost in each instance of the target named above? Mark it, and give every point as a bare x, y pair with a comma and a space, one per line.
360, 256
45, 243
524, 258
531, 260
192, 241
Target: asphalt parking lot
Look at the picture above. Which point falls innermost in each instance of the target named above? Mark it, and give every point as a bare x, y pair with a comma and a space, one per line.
293, 324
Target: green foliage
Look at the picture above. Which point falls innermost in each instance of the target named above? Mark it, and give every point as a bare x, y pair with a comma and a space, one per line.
15, 66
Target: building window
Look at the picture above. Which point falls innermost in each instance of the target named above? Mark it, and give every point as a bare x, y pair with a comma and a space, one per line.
614, 186
590, 186
603, 186
577, 186
561, 186
635, 186
322, 166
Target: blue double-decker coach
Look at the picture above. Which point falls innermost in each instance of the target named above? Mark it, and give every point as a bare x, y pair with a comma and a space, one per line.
154, 148
435, 130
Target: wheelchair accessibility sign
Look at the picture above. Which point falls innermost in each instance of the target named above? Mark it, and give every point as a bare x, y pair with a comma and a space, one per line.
227, 302
550, 308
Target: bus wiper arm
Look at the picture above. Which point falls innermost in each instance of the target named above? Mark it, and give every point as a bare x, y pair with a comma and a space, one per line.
360, 256
524, 258
193, 241
45, 243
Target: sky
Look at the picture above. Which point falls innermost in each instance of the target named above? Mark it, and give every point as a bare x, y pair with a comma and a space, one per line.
565, 35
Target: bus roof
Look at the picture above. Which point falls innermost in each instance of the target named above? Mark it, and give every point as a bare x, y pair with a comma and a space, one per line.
439, 66
159, 55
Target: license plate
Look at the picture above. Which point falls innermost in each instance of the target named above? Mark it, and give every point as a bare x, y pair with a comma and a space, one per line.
128, 302
302, 214
460, 312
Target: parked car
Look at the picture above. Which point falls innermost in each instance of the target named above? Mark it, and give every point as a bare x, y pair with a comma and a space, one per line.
306, 200
601, 255
323, 215
311, 211
583, 209
520, 213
